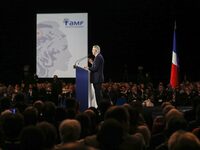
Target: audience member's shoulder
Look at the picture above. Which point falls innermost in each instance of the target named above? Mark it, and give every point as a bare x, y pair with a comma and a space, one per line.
134, 138
135, 141
91, 141
74, 146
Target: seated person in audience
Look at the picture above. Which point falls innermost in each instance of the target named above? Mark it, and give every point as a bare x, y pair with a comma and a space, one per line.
69, 131
120, 114
32, 138
182, 140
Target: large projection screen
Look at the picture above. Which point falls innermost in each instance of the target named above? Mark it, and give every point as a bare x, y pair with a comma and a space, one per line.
61, 40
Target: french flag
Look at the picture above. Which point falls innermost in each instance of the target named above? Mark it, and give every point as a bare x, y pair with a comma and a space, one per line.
174, 78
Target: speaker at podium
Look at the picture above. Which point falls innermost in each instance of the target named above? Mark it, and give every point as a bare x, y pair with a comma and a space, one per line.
85, 93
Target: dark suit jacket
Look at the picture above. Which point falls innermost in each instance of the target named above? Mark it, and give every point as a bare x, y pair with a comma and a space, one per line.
96, 69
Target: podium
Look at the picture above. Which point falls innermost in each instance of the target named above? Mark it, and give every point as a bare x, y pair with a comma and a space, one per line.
82, 87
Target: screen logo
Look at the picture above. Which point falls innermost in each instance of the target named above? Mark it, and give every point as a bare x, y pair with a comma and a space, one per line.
73, 23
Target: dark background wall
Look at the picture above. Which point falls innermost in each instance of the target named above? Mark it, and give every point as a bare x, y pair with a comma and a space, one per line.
130, 33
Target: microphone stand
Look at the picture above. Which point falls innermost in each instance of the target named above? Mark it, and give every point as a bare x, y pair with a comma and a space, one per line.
79, 60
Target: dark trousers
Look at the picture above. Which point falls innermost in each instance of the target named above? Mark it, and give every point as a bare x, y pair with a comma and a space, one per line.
98, 92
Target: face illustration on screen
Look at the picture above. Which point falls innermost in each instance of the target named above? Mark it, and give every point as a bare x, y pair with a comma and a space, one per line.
52, 49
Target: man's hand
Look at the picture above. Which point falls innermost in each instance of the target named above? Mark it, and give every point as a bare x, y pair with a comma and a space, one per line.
90, 60
86, 67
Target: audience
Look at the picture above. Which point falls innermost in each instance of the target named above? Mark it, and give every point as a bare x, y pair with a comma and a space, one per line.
50, 134
32, 138
11, 125
30, 116
69, 131
110, 135
43, 123
182, 140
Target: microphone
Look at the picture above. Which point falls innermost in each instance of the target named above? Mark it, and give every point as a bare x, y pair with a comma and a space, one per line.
79, 60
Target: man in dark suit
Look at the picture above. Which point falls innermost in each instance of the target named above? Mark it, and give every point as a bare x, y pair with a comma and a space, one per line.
97, 76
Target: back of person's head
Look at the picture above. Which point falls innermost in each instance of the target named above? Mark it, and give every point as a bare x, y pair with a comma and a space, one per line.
49, 110
110, 135
137, 124
30, 116
5, 112
173, 113
69, 130
90, 113
182, 140
167, 108
55, 77
32, 138
12, 124
135, 117
196, 131
120, 114
95, 110
94, 120
38, 104
175, 124
50, 133
75, 146
85, 122
165, 104
146, 133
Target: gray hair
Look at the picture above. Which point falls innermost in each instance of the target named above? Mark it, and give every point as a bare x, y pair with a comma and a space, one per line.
97, 47
69, 130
